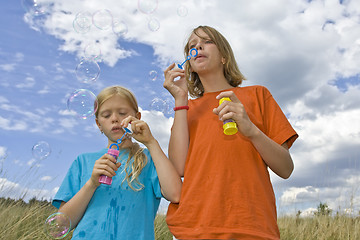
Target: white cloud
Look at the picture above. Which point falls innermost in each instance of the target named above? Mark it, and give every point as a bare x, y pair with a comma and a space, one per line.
9, 67
2, 152
14, 125
19, 57
28, 82
46, 178
160, 127
16, 191
68, 123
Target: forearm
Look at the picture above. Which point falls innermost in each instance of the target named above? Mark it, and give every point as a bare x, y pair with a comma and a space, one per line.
76, 206
179, 139
276, 156
169, 178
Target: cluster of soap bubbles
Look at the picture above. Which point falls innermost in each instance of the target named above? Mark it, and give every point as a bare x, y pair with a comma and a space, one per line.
149, 7
57, 225
102, 19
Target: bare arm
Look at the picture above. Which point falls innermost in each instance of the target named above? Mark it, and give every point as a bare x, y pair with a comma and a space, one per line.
76, 206
276, 156
169, 178
179, 138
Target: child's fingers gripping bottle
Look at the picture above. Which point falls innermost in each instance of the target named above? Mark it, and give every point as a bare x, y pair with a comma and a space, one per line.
103, 178
229, 125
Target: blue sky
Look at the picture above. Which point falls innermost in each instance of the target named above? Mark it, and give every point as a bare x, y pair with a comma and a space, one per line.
305, 52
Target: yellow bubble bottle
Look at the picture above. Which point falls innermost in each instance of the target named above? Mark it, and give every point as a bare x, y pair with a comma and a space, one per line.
229, 125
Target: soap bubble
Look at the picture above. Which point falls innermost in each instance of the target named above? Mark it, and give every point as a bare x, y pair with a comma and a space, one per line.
82, 22
157, 104
57, 225
87, 71
93, 52
169, 103
102, 19
182, 11
154, 24
36, 7
83, 103
147, 6
153, 75
41, 150
119, 27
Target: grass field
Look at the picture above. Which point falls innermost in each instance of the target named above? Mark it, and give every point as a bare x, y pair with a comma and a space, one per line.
20, 221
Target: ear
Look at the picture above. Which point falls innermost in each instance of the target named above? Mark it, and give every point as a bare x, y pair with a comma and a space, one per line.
138, 115
98, 124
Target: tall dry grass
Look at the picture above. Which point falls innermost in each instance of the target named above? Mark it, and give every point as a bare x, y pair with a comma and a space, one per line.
25, 221
22, 221
321, 227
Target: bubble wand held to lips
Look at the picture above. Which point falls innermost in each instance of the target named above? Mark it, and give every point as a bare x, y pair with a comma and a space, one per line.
115, 153
192, 53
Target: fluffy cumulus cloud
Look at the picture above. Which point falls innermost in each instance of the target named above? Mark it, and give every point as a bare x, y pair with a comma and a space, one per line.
305, 52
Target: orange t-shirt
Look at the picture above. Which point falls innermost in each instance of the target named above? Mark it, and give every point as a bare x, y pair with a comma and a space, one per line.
227, 193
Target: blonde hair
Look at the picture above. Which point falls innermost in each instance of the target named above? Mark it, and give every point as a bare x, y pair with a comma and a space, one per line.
135, 151
231, 69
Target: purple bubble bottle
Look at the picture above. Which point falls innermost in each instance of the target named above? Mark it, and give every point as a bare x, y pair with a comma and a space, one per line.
103, 178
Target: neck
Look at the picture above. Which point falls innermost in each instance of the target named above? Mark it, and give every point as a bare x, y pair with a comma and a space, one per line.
214, 82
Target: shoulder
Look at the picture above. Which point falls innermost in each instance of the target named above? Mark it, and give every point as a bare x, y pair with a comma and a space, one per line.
90, 155
253, 88
256, 91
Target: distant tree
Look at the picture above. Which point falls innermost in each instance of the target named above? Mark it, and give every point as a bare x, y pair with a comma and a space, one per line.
323, 210
298, 214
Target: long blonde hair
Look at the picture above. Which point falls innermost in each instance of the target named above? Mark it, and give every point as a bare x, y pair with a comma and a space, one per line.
135, 151
231, 69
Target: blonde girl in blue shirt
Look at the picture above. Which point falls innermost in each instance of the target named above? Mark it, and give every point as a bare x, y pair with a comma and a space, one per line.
126, 209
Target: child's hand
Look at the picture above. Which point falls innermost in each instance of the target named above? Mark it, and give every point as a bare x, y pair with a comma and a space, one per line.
235, 110
106, 165
178, 89
140, 130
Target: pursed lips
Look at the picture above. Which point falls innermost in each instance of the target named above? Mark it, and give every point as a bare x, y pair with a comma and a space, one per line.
199, 56
116, 129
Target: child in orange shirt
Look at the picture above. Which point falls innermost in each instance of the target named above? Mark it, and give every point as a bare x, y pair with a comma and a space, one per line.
227, 192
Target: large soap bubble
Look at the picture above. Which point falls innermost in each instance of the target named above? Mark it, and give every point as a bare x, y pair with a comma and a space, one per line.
83, 103
82, 22
102, 19
147, 6
41, 150
57, 225
87, 71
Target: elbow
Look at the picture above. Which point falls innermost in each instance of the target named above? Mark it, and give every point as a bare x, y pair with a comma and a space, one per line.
175, 199
286, 174
174, 196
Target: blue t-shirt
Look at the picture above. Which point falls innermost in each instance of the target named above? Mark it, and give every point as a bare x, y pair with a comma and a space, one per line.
115, 211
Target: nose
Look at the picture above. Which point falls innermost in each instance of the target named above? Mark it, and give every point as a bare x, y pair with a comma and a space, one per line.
199, 46
114, 118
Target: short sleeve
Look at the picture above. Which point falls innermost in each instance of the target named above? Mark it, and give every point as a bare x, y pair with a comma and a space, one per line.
70, 185
277, 125
153, 176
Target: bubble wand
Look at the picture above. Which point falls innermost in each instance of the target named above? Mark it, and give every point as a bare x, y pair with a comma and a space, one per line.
192, 53
115, 153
